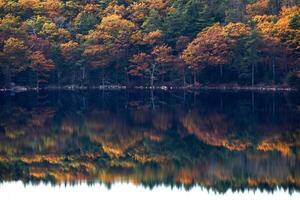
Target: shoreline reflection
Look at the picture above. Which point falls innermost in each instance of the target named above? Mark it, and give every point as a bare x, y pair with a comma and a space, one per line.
219, 141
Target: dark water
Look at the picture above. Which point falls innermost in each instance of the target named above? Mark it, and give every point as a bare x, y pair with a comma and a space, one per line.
215, 140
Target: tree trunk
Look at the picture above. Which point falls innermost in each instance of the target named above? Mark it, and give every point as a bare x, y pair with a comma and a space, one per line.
83, 75
151, 80
152, 74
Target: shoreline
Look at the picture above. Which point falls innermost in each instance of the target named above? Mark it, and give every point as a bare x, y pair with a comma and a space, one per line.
258, 88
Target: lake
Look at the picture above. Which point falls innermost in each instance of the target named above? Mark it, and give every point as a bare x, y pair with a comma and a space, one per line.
222, 145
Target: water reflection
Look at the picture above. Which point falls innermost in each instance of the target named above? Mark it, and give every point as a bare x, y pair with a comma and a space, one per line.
219, 141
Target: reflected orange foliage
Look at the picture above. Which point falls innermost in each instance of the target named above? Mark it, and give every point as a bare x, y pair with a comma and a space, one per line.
53, 159
268, 145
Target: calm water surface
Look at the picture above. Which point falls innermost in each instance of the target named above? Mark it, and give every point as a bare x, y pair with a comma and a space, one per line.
227, 143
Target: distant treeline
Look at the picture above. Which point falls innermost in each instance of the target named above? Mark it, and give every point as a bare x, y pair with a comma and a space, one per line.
149, 42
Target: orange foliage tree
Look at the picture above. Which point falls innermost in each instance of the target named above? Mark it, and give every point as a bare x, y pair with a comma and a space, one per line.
151, 64
40, 65
211, 47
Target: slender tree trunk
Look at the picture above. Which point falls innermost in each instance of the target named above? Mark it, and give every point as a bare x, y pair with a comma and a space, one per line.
82, 75
151, 80
152, 74
195, 77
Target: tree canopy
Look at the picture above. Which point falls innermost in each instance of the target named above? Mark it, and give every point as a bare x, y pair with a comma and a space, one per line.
93, 42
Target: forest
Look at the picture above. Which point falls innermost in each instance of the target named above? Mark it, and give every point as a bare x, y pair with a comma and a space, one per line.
183, 43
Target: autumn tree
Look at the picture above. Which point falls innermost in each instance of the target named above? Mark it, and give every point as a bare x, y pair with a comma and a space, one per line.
11, 26
152, 64
138, 12
282, 38
181, 45
40, 65
210, 48
110, 42
14, 57
71, 52
259, 7
85, 39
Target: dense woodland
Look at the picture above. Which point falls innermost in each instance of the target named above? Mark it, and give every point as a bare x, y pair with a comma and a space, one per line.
149, 42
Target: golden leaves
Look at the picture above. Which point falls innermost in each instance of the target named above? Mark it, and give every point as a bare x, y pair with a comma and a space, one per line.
68, 49
162, 54
114, 9
152, 37
33, 4
13, 46
110, 41
157, 4
91, 7
138, 11
211, 47
53, 7
39, 62
236, 30
2, 3
140, 63
257, 8
114, 23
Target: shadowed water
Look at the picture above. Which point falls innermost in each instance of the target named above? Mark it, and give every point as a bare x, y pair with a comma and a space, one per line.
214, 140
